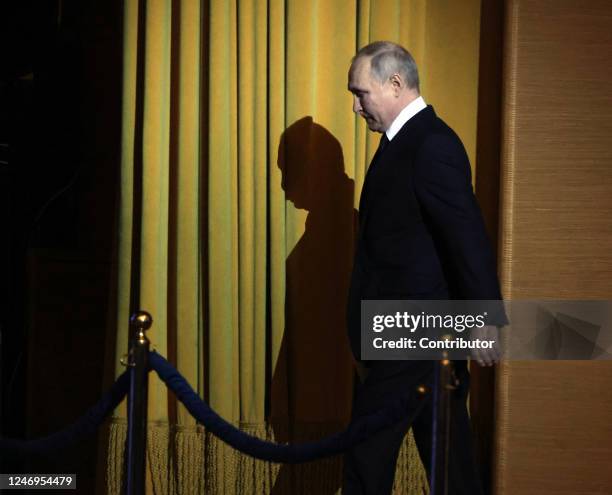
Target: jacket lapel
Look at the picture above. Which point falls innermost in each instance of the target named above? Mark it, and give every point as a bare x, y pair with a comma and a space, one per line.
407, 139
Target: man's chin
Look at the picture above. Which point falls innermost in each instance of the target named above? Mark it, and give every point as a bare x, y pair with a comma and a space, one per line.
373, 126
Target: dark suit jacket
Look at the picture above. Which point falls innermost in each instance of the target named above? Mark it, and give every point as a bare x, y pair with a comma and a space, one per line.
421, 233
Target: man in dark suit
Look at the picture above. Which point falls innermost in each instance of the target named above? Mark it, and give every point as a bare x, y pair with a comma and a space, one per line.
421, 236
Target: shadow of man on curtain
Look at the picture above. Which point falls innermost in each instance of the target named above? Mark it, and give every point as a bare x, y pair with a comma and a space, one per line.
312, 380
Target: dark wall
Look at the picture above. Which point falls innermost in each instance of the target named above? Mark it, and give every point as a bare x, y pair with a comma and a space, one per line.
60, 111
482, 396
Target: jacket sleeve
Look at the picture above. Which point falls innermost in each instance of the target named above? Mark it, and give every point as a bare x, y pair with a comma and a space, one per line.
443, 186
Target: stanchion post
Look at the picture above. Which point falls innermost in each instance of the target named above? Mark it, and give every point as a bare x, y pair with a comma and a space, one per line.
443, 387
138, 363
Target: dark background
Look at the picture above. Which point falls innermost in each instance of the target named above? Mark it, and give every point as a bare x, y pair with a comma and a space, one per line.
60, 116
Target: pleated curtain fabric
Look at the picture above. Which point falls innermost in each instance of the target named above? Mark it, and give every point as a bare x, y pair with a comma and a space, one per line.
252, 166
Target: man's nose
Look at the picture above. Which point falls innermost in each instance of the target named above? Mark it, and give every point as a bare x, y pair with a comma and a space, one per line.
356, 105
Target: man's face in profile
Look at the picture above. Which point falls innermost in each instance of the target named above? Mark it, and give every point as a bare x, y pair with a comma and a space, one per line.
372, 99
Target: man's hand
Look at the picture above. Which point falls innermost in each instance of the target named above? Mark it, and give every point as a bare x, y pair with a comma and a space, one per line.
486, 357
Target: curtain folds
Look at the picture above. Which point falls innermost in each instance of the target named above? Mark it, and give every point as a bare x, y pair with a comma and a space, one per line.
252, 167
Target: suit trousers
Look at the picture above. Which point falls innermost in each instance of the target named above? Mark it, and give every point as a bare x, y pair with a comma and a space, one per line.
369, 468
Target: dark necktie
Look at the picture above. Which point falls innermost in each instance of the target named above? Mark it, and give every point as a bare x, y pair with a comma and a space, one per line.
384, 141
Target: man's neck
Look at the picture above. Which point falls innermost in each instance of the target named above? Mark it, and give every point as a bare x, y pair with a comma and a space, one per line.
404, 115
403, 101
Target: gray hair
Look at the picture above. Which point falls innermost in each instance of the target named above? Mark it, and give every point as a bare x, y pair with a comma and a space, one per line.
386, 59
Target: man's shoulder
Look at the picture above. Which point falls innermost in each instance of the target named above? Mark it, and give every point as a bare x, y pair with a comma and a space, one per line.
430, 136
438, 129
427, 127
441, 137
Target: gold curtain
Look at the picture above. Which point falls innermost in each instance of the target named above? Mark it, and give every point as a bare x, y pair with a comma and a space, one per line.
252, 167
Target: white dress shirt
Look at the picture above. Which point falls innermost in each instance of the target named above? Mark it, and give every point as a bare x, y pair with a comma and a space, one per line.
409, 111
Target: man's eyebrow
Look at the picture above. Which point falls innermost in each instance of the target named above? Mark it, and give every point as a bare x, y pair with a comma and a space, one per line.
355, 89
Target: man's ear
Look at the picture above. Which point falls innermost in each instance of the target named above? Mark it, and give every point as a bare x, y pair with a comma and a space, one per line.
397, 84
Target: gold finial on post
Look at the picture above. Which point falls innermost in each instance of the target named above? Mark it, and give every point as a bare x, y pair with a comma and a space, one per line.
141, 321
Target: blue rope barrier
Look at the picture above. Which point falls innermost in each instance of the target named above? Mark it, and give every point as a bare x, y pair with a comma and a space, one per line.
84, 426
358, 431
